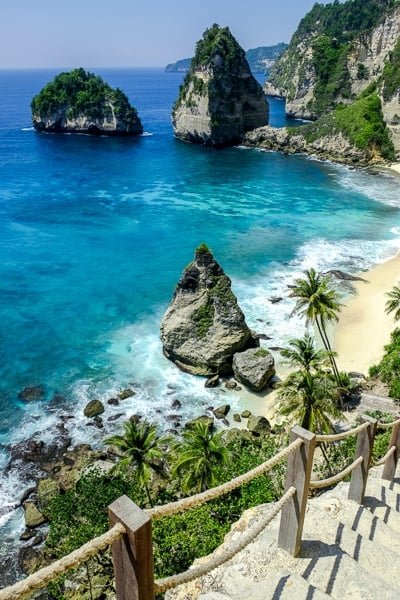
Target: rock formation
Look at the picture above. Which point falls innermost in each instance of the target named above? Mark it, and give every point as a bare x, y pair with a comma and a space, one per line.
254, 368
81, 102
204, 327
220, 99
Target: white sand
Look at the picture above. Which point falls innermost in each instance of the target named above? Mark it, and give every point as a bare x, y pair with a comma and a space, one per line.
364, 328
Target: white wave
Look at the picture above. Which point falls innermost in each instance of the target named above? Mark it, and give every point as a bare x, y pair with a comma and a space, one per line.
382, 187
27, 129
147, 134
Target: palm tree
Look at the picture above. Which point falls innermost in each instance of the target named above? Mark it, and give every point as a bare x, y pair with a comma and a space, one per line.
319, 304
198, 456
393, 304
309, 399
141, 450
303, 353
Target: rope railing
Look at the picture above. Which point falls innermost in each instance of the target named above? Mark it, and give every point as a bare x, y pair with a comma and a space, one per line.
181, 505
321, 483
382, 461
388, 425
225, 553
41, 578
337, 437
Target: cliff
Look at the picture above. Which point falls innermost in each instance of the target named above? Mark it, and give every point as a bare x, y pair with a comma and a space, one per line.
260, 59
220, 99
203, 326
355, 134
81, 102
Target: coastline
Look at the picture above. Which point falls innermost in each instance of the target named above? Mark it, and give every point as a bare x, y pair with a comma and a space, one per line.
364, 328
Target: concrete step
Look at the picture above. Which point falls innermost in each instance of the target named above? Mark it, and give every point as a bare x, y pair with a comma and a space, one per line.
383, 503
284, 585
358, 518
379, 560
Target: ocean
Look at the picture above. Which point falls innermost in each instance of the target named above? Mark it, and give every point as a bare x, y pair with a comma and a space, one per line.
95, 232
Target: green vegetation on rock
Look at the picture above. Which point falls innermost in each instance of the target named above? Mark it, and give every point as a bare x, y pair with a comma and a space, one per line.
361, 122
391, 74
388, 370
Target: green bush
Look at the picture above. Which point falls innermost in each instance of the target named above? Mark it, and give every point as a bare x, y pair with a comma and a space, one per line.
391, 74
389, 368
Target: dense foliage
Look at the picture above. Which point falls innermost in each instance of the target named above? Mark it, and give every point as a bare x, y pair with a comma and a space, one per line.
391, 74
389, 368
361, 122
79, 91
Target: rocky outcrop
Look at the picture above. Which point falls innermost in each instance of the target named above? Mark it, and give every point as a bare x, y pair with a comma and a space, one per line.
254, 368
220, 99
81, 102
334, 147
93, 408
204, 327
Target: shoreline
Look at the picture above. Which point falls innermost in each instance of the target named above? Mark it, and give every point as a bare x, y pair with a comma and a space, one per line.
364, 328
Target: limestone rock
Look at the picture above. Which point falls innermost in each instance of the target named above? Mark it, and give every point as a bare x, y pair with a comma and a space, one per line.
81, 102
32, 393
204, 327
237, 418
124, 394
258, 425
221, 411
209, 421
31, 559
220, 99
47, 489
93, 408
33, 516
245, 414
212, 381
254, 368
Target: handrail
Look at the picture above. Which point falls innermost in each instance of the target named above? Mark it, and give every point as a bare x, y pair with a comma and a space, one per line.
388, 425
381, 461
181, 505
41, 578
336, 437
321, 483
224, 553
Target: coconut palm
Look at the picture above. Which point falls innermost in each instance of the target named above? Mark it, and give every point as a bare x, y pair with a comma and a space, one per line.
141, 450
198, 456
393, 304
319, 304
303, 354
309, 400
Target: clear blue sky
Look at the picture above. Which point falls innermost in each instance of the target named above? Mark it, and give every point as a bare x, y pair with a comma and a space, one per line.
108, 33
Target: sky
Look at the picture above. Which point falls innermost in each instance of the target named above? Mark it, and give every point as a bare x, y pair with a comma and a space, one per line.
133, 33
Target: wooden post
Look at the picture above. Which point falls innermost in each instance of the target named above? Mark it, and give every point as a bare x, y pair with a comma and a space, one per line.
298, 475
133, 552
365, 443
389, 470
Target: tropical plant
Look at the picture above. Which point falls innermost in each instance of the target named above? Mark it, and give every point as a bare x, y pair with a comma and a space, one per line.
198, 457
141, 450
393, 304
303, 354
309, 400
320, 304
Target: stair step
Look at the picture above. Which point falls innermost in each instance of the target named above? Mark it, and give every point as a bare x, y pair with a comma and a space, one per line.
383, 503
359, 519
284, 586
374, 558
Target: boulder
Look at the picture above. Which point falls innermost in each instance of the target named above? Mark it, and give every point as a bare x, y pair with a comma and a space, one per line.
212, 381
209, 421
237, 418
221, 411
230, 384
254, 368
33, 516
220, 99
31, 559
245, 414
93, 408
113, 401
32, 393
203, 326
258, 425
176, 403
47, 489
124, 394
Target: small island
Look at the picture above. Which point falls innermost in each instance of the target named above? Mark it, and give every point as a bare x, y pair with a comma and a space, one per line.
81, 102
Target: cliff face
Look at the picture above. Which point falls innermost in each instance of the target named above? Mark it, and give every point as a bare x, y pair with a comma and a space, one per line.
337, 52
203, 326
81, 102
220, 99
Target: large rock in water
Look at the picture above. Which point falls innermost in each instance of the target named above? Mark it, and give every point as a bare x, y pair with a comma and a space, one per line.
220, 99
81, 102
204, 327
254, 368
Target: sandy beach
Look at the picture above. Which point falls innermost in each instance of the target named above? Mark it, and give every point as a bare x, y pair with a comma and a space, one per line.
364, 328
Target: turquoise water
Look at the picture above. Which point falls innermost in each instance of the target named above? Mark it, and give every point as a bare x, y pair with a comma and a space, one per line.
95, 233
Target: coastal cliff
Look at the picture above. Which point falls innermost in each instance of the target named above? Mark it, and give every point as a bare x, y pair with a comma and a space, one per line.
204, 326
81, 102
220, 99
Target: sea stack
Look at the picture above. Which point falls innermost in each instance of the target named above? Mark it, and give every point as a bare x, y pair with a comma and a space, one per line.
81, 102
219, 100
203, 326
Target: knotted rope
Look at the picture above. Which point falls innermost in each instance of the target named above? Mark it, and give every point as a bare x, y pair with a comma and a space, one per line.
388, 425
336, 437
381, 461
317, 484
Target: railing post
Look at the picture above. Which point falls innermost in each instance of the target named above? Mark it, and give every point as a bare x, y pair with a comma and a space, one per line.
133, 552
298, 475
389, 470
365, 444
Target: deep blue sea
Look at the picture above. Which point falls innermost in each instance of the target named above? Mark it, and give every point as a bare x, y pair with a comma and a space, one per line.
94, 233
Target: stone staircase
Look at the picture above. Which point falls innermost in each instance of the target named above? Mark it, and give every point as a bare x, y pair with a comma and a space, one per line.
348, 551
